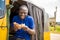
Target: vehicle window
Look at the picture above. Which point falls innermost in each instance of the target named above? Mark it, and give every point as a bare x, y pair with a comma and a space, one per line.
2, 8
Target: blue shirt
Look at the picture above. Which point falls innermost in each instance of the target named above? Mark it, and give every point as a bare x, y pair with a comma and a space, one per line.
28, 21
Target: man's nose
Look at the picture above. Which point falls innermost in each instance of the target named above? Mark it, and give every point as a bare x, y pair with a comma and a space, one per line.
23, 14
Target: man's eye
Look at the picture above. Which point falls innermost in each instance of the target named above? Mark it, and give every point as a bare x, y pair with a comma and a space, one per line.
22, 13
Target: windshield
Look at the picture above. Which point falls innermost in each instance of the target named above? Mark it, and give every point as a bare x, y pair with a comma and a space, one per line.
2, 8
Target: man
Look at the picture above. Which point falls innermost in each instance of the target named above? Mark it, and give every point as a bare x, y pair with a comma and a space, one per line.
23, 24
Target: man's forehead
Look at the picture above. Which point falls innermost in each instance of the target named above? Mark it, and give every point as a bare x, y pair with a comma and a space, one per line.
23, 7
23, 10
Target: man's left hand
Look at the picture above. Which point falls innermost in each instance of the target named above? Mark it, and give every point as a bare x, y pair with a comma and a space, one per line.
24, 27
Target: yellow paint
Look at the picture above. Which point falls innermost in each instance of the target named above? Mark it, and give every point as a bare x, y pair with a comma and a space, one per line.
3, 28
7, 2
46, 35
3, 21
3, 33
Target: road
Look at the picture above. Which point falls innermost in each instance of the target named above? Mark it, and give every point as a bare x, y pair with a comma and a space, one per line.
55, 36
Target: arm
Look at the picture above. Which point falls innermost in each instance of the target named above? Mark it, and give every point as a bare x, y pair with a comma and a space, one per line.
26, 28
31, 31
19, 26
31, 28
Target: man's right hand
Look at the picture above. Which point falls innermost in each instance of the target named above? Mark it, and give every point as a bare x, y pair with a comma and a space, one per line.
16, 26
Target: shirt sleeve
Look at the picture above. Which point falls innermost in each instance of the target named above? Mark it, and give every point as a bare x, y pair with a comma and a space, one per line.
31, 23
13, 20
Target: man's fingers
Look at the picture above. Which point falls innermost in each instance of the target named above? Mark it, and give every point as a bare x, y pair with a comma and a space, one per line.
14, 23
23, 25
19, 26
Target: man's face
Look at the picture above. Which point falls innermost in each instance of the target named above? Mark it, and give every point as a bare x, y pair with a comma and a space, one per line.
23, 13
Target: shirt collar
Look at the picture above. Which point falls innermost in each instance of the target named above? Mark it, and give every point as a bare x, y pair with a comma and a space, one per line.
24, 18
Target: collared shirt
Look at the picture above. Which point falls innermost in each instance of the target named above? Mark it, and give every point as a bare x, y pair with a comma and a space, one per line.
28, 21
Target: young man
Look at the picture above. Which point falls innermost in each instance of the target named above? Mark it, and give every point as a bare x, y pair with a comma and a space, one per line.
23, 24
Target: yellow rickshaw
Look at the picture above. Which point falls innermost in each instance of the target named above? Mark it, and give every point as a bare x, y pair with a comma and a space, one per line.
38, 13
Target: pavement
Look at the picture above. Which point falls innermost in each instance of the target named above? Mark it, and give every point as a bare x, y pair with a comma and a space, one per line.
54, 36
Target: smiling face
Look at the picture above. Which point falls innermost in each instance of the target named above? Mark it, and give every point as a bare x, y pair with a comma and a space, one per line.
23, 11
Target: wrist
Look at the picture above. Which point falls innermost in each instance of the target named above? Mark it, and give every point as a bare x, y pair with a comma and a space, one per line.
27, 29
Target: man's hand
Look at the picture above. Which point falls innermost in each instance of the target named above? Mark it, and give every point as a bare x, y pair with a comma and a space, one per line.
17, 26
24, 27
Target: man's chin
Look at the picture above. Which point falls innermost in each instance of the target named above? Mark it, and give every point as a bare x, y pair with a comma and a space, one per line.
22, 18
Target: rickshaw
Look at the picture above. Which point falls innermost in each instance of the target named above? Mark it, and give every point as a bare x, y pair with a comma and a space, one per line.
8, 10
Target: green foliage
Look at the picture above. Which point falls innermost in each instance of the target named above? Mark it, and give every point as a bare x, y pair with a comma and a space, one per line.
57, 29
